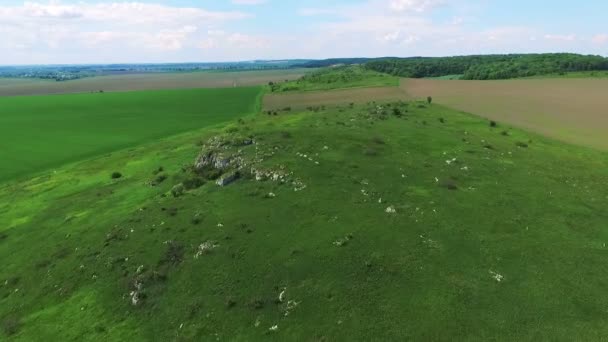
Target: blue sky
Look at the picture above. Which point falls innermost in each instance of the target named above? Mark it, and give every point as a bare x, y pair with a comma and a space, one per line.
113, 31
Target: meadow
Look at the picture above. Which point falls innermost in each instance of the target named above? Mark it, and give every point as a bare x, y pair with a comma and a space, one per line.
303, 100
570, 109
41, 132
341, 77
148, 81
386, 221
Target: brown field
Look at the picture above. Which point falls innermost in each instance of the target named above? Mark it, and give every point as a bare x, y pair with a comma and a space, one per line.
147, 81
572, 110
333, 97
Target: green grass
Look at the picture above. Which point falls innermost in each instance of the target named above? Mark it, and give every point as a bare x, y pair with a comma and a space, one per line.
446, 77
41, 132
337, 78
71, 241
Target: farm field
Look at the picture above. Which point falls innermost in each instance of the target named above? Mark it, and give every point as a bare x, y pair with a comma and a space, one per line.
148, 81
38, 132
383, 223
569, 109
302, 100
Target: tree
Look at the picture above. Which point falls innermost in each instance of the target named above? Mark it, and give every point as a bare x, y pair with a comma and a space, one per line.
429, 99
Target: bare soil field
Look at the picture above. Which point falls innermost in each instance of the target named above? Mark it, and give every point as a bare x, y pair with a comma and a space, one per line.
147, 81
333, 97
572, 110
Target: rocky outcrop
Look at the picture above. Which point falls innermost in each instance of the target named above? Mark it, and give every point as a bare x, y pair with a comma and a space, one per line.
228, 178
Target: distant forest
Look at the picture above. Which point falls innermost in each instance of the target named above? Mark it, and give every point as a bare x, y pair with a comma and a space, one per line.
489, 67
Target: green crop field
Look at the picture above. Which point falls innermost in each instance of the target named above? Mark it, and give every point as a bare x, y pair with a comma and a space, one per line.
398, 221
40, 132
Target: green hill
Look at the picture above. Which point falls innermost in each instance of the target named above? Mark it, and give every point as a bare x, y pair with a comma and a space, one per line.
353, 76
373, 222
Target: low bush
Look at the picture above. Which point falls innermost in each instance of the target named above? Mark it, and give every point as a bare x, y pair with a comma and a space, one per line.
10, 326
116, 175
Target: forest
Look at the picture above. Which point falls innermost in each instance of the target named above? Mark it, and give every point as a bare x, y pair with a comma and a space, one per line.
489, 67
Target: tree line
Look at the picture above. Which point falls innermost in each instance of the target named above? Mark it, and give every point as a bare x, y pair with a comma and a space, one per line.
489, 67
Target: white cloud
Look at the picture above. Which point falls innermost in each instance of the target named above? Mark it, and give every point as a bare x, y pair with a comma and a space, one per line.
84, 32
415, 5
249, 2
561, 37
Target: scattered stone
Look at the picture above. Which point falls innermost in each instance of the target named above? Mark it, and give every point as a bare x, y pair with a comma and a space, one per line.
391, 210
274, 328
140, 269
205, 248
228, 178
498, 277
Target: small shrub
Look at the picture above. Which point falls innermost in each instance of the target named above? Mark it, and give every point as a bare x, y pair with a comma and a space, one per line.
287, 109
442, 120
488, 146
493, 123
286, 135
116, 175
505, 133
193, 183
3, 236
159, 179
449, 184
174, 253
10, 326
257, 303
378, 140
196, 220
159, 170
178, 190
397, 112
429, 99
230, 303
521, 144
371, 152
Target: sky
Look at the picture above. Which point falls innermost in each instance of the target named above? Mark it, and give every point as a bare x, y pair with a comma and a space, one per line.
159, 31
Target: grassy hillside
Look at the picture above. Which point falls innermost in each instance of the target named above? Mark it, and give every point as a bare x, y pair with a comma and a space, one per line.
336, 78
46, 131
391, 221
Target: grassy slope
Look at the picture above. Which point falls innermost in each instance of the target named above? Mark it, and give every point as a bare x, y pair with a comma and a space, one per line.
71, 242
338, 78
46, 131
